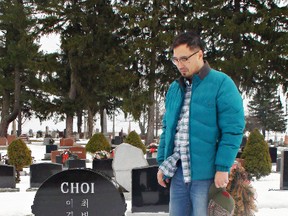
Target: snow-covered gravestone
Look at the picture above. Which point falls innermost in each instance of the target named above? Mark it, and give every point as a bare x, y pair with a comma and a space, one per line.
127, 157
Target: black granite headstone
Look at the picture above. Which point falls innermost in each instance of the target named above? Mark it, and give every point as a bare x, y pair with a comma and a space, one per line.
78, 163
50, 148
152, 161
7, 176
104, 166
39, 172
273, 154
59, 159
118, 140
147, 194
278, 164
79, 192
284, 171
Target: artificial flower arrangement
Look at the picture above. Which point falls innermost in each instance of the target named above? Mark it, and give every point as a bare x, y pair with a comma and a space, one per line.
102, 155
65, 156
242, 191
152, 147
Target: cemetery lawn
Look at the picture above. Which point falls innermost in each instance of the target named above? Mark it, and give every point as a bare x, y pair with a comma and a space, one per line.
270, 199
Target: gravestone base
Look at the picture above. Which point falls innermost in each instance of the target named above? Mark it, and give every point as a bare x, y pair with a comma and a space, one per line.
32, 189
9, 190
3, 147
129, 213
47, 156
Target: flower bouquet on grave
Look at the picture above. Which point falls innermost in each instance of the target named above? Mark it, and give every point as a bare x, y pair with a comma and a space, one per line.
102, 155
65, 156
152, 147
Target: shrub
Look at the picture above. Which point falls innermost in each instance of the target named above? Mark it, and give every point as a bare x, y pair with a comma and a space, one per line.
98, 142
257, 160
134, 139
19, 155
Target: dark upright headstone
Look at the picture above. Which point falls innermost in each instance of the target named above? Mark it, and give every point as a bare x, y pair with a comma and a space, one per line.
7, 176
78, 163
39, 172
104, 166
59, 159
50, 148
278, 164
147, 194
118, 140
79, 192
273, 154
284, 171
152, 161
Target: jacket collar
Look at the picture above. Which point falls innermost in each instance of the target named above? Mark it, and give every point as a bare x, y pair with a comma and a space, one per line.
203, 72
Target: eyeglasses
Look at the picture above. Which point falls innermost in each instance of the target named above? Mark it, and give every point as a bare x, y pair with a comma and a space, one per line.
182, 59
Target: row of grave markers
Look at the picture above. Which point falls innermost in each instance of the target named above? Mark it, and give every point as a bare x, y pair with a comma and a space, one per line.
81, 191
76, 191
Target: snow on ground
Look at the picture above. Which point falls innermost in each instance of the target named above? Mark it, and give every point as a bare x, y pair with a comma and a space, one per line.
271, 201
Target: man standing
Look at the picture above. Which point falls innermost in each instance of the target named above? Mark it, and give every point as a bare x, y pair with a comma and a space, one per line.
202, 129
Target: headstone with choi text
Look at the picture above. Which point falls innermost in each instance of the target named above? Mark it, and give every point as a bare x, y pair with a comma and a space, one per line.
79, 192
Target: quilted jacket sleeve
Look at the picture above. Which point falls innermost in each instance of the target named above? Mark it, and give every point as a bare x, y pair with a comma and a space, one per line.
231, 122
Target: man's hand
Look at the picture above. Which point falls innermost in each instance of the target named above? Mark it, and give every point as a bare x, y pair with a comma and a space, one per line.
160, 176
221, 179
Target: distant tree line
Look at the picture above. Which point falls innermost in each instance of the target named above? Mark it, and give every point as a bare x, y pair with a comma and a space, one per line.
115, 55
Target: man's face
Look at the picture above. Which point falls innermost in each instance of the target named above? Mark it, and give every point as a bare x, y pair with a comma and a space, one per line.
187, 61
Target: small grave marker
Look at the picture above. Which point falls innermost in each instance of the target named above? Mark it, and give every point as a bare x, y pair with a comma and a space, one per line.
147, 194
39, 172
7, 178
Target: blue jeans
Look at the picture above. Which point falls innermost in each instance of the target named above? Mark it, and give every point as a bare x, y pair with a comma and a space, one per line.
188, 199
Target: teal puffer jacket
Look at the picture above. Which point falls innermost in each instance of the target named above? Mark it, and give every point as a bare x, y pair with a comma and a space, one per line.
215, 127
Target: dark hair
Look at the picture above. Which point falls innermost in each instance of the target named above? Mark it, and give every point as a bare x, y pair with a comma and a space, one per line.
191, 38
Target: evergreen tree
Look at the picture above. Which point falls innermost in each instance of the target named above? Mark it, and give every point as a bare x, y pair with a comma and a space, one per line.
19, 59
19, 156
266, 108
147, 38
256, 155
98, 142
93, 76
134, 139
245, 39
239, 35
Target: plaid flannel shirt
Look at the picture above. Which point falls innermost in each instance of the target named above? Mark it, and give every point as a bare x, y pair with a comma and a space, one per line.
181, 149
